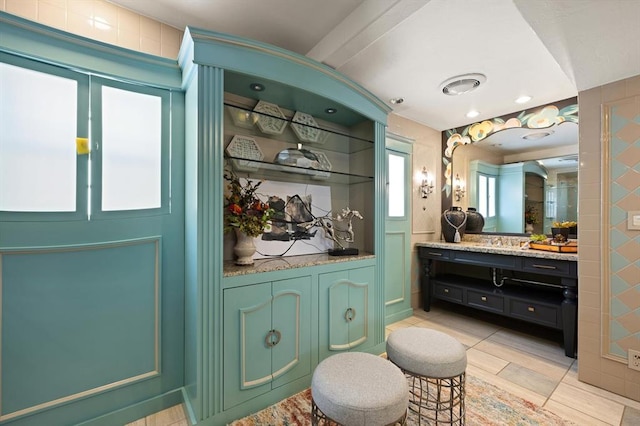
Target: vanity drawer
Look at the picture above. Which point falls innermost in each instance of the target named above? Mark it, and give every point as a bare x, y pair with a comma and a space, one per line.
487, 301
535, 312
549, 266
485, 259
434, 253
447, 292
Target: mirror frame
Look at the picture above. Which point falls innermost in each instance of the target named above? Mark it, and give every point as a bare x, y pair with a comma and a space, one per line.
539, 117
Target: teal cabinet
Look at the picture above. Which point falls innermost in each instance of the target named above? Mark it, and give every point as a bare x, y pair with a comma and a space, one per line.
346, 310
267, 337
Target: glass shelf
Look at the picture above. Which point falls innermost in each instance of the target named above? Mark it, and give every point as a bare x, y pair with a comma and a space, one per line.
273, 171
244, 120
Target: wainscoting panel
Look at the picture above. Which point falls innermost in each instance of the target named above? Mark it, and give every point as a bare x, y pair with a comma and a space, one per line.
76, 321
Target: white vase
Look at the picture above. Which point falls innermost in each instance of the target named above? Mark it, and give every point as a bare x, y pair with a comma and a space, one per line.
528, 228
244, 248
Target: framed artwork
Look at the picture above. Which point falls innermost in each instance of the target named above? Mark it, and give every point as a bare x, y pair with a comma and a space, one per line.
292, 231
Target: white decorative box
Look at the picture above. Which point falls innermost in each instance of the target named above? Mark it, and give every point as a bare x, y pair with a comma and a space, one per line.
244, 147
269, 123
303, 130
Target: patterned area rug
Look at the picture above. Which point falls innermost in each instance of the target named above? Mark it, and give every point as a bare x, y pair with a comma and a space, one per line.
485, 403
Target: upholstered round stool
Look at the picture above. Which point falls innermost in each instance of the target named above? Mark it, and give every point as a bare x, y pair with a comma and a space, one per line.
435, 365
357, 388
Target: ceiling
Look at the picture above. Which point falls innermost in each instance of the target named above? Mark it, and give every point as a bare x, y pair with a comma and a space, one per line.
546, 49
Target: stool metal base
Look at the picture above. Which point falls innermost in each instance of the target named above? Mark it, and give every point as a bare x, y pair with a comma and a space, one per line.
318, 418
437, 401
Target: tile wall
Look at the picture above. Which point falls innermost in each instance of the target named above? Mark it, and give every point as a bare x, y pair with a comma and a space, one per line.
595, 368
103, 21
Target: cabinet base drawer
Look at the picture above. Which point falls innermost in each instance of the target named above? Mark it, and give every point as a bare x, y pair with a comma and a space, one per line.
534, 312
447, 292
486, 301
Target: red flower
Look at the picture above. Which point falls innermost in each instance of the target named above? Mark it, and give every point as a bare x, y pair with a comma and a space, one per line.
235, 209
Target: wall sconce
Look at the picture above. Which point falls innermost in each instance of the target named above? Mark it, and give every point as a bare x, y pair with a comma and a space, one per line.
459, 190
426, 185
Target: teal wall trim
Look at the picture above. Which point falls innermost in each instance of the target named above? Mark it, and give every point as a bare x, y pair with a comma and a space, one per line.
247, 56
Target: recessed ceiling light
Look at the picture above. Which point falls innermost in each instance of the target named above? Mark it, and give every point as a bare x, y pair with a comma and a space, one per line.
330, 110
462, 84
396, 101
473, 113
256, 87
523, 99
536, 135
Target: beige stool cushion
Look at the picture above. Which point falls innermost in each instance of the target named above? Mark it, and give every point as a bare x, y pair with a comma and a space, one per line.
357, 388
426, 352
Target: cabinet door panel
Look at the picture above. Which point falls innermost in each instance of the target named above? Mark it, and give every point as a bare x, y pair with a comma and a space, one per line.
346, 300
247, 321
291, 356
361, 301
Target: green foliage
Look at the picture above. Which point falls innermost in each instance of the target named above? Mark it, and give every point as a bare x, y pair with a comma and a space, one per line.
243, 209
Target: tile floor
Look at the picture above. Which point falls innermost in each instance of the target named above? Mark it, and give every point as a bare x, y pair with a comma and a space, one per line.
531, 365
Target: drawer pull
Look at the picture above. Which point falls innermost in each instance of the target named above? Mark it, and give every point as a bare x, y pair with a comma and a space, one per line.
531, 309
435, 254
446, 290
544, 266
483, 298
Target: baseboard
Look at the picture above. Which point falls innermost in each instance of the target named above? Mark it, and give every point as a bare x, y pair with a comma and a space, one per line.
398, 316
139, 410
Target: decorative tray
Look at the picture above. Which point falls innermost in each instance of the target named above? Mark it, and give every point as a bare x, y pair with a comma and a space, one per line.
271, 120
570, 247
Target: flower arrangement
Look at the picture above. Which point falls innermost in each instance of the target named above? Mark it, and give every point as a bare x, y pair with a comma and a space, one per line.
531, 215
243, 210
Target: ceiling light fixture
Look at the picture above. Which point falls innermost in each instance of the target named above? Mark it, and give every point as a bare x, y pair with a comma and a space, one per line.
523, 99
396, 101
256, 87
473, 113
462, 84
536, 135
330, 110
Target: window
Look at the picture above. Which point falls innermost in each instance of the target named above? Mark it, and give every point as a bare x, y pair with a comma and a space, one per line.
396, 201
43, 174
131, 150
39, 125
486, 195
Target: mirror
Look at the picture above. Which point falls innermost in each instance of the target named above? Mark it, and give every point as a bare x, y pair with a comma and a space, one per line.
533, 159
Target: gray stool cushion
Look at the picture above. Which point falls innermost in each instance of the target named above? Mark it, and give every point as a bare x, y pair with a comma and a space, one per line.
357, 388
426, 352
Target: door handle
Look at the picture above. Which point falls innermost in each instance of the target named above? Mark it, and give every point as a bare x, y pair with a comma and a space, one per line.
269, 338
350, 314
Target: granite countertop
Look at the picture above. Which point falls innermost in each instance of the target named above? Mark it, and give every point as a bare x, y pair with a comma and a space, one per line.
506, 249
288, 262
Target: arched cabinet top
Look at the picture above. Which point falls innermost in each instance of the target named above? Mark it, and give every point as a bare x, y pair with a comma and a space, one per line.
242, 58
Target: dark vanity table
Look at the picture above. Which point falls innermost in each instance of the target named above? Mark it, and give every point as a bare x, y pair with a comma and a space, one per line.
538, 287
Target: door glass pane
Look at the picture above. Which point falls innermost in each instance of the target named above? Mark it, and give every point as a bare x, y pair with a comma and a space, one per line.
482, 195
492, 197
131, 150
396, 186
38, 115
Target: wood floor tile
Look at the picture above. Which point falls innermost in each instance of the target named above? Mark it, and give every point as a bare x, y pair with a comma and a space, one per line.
166, 417
485, 361
571, 378
539, 383
465, 338
507, 385
541, 365
139, 422
572, 415
586, 402
532, 345
630, 417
